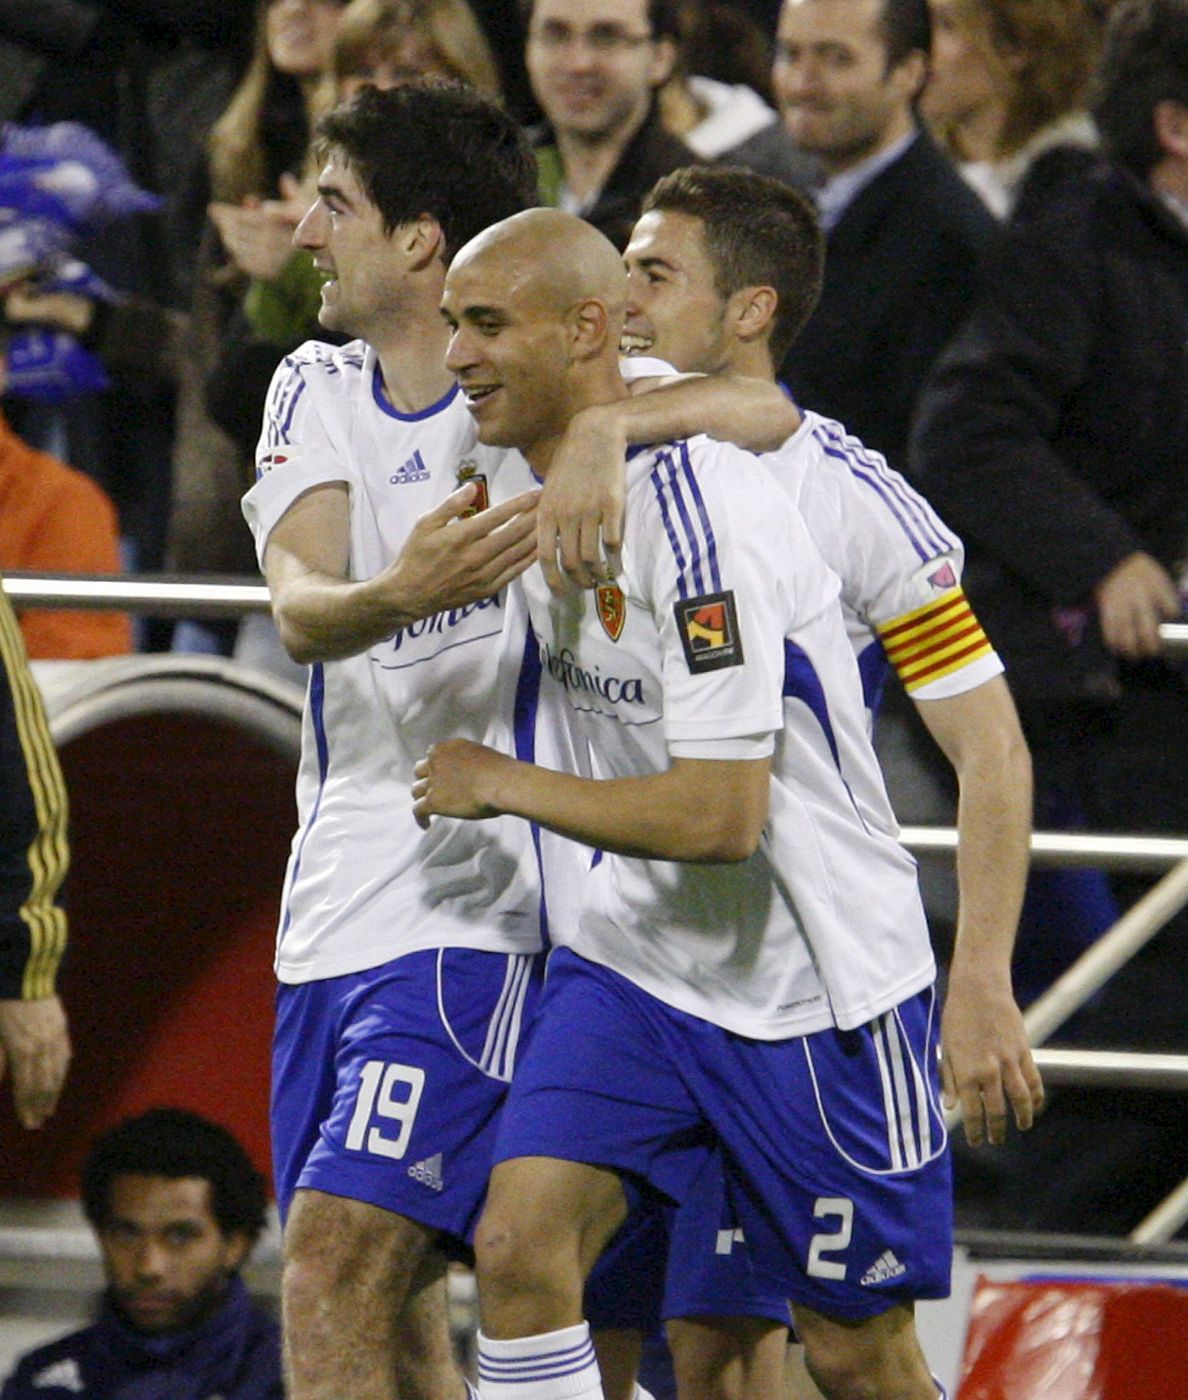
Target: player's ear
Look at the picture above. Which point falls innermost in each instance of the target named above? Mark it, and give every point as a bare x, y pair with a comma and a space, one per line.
422, 241
588, 324
751, 310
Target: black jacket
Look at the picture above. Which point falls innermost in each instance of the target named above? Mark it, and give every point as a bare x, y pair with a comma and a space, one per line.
1053, 433
234, 1354
650, 153
900, 272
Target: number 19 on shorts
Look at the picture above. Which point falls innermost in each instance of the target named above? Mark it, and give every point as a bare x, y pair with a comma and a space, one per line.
389, 1092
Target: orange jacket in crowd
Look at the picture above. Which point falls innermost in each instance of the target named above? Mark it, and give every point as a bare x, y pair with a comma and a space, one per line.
54, 519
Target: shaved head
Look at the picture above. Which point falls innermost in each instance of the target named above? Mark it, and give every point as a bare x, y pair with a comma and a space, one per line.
553, 256
535, 305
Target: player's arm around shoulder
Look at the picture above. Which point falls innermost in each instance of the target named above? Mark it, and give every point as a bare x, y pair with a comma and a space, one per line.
581, 516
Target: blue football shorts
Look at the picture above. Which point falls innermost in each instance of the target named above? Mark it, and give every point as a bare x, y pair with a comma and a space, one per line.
686, 1260
387, 1084
833, 1146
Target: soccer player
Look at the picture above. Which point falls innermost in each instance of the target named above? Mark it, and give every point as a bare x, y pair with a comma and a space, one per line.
751, 970
722, 271
405, 959
406, 964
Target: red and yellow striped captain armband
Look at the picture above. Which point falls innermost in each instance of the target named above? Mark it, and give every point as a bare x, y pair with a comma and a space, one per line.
934, 641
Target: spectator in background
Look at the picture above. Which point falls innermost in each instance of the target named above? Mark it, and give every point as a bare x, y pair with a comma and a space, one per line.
34, 856
148, 78
256, 152
595, 66
1052, 434
57, 520
176, 1207
388, 42
718, 98
1008, 86
904, 232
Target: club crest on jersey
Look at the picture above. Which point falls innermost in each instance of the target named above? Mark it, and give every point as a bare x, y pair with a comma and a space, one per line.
468, 471
612, 609
708, 628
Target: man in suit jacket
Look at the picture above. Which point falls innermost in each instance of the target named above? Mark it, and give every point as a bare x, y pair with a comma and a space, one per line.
904, 231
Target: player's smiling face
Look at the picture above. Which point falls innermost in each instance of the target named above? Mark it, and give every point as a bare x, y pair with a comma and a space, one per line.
344, 233
508, 351
674, 310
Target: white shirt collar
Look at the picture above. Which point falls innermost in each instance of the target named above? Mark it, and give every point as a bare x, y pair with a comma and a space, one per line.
838, 192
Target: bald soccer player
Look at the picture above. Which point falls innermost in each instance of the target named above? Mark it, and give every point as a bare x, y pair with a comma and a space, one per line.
750, 971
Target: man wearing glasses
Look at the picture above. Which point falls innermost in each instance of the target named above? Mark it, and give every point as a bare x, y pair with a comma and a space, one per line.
595, 66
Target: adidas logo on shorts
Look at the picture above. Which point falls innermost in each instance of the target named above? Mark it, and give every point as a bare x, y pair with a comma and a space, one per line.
428, 1172
884, 1268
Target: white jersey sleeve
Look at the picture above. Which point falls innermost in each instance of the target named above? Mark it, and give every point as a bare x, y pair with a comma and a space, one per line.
302, 443
899, 564
700, 551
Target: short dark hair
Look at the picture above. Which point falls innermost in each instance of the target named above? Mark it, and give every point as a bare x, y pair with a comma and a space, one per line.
907, 29
758, 232
664, 18
436, 148
1144, 62
175, 1143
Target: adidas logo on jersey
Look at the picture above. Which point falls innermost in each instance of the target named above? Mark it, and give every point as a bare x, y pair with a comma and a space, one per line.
62, 1375
428, 1172
884, 1268
412, 470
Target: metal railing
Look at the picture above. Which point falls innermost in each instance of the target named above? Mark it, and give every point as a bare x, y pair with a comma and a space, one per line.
178, 595
163, 595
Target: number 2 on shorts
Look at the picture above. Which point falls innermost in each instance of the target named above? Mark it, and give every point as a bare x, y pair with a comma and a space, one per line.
376, 1084
842, 1209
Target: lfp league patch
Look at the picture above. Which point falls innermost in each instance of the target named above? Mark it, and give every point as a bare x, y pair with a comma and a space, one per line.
709, 632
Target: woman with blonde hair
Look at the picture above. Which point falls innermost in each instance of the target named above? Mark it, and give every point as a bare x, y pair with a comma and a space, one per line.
388, 42
1008, 83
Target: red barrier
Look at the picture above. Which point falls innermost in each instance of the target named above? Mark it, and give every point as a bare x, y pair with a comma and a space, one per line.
180, 826
1076, 1341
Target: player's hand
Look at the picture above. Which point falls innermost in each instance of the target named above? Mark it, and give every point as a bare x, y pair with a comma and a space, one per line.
1132, 600
457, 779
258, 239
35, 1049
986, 1063
451, 559
580, 521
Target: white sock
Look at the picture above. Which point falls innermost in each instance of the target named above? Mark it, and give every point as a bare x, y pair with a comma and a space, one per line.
552, 1366
641, 1393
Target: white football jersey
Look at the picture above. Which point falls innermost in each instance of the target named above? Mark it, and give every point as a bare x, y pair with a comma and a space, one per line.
364, 882
900, 565
721, 639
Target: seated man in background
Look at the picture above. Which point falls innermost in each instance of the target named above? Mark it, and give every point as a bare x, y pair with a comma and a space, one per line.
176, 1206
53, 518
